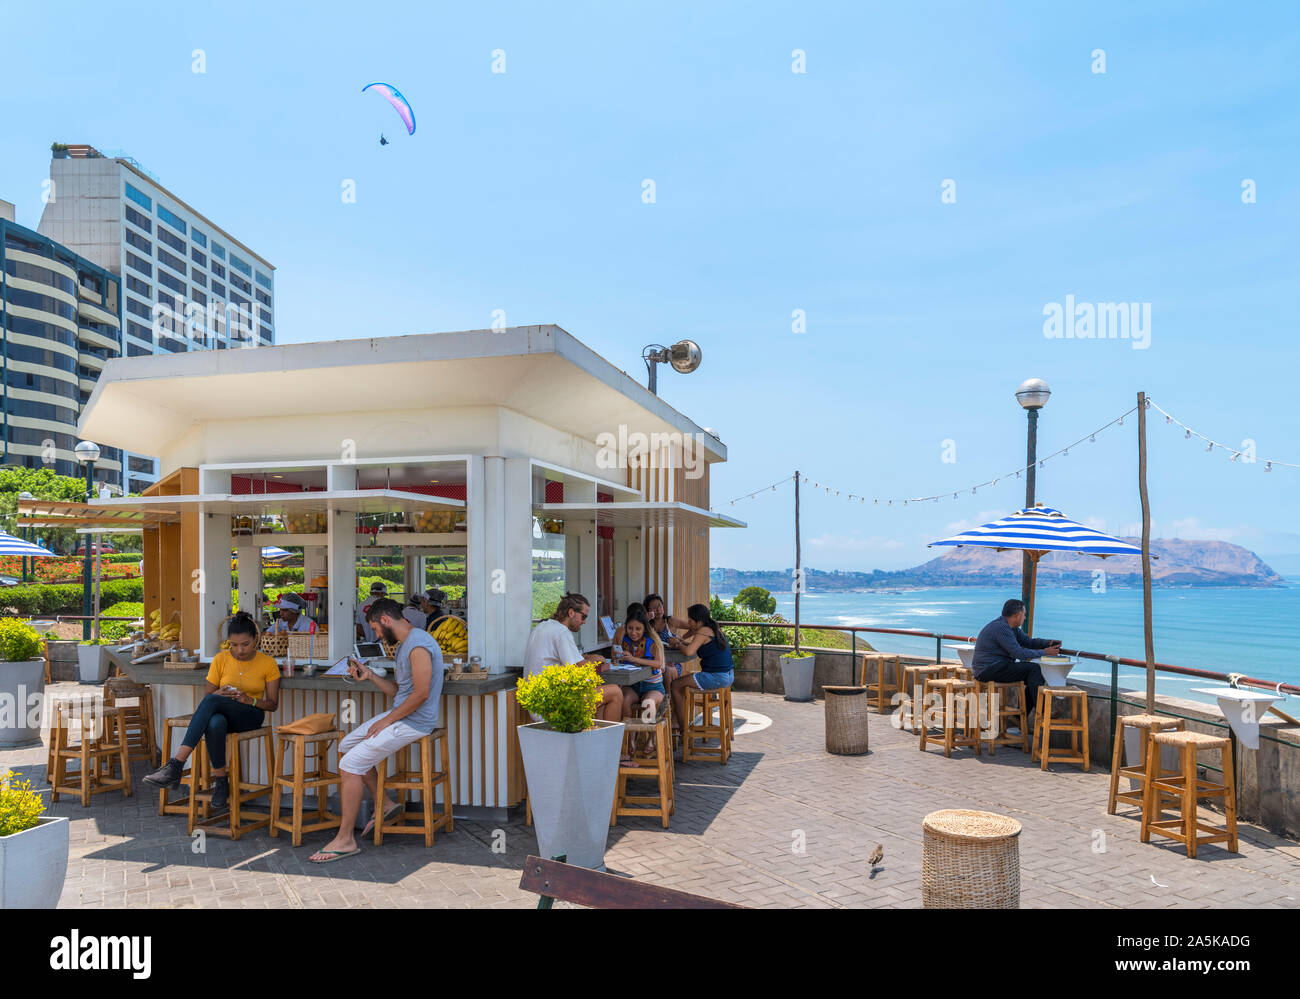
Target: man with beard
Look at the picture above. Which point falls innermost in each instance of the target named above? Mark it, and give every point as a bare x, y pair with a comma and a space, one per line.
416, 690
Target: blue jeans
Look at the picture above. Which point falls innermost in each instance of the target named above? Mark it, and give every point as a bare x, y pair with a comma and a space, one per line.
646, 686
713, 681
214, 718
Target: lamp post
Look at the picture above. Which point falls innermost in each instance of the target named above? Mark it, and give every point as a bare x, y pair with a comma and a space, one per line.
27, 533
87, 453
1032, 395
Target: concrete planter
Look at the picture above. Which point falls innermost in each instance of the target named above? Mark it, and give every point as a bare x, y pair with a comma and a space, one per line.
92, 664
21, 687
797, 676
571, 778
33, 864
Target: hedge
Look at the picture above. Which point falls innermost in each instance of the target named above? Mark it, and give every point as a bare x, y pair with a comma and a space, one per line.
66, 598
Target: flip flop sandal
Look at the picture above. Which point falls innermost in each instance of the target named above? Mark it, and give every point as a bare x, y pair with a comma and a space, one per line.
333, 855
395, 810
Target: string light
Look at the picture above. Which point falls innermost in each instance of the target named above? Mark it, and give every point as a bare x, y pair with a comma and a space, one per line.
1210, 445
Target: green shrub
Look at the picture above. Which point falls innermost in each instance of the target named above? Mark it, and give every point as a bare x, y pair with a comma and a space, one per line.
33, 599
19, 641
756, 599
565, 697
20, 806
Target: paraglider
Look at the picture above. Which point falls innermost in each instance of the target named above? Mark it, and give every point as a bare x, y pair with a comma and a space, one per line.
399, 103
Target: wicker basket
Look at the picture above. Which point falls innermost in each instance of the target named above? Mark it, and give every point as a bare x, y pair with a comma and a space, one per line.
274, 643
846, 720
301, 644
970, 860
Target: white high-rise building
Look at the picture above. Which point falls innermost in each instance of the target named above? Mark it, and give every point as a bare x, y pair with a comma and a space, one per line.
187, 284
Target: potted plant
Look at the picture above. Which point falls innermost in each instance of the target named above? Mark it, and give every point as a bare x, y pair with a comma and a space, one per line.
571, 763
33, 848
92, 664
22, 682
60, 150
797, 674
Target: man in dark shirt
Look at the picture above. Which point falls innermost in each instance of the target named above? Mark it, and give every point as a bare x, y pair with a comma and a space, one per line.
1005, 654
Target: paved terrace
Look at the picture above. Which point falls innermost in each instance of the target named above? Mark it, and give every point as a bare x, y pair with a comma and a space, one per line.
733, 837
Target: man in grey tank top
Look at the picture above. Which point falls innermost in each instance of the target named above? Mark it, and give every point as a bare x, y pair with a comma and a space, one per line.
416, 690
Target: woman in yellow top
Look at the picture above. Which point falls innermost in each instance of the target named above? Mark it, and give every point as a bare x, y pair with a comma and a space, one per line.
241, 685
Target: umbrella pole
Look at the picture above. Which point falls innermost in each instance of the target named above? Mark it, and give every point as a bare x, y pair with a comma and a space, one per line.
1033, 558
1146, 552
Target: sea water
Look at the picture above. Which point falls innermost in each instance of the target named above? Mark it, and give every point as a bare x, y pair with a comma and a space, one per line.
1225, 629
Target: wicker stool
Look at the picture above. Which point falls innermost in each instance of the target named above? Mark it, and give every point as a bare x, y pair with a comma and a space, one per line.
293, 747
694, 734
999, 689
846, 720
1076, 724
237, 820
421, 776
960, 714
883, 688
138, 717
949, 671
970, 860
1145, 725
92, 734
658, 766
914, 680
175, 806
1187, 789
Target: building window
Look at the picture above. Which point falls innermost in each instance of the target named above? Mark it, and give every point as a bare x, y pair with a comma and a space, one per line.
174, 241
36, 355
139, 309
138, 241
217, 270
264, 281
240, 266
198, 256
198, 296
43, 303
218, 289
262, 297
218, 251
174, 262
134, 350
142, 465
41, 275
143, 266
137, 219
139, 287
144, 333
198, 278
241, 284
172, 219
175, 284
199, 238
265, 333
139, 197
175, 346
264, 315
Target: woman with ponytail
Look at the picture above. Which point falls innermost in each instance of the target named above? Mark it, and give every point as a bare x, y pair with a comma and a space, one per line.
705, 639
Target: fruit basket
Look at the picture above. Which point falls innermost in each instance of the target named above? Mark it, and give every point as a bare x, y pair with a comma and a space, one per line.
274, 643
302, 645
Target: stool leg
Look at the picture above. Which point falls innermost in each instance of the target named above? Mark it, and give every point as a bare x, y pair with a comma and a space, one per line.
1150, 798
381, 775
426, 789
1189, 799
1045, 720
1116, 759
299, 792
665, 782
87, 776
232, 776
276, 788
1024, 717
1230, 796
1083, 713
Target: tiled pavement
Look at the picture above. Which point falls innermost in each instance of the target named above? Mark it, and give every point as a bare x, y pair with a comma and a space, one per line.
783, 824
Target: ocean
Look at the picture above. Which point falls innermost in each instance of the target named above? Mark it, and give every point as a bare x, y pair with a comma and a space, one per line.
1226, 629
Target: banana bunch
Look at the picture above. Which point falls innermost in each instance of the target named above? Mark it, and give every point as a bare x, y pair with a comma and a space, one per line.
163, 632
452, 636
155, 622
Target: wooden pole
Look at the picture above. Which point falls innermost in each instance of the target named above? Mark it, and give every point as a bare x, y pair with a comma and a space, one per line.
798, 563
1146, 552
1033, 558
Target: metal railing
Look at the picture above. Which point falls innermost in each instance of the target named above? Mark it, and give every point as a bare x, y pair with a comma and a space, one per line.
941, 637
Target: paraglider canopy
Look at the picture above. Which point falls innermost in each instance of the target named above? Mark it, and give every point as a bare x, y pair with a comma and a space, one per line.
399, 103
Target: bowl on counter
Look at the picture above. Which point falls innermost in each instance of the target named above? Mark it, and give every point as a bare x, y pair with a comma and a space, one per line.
1056, 670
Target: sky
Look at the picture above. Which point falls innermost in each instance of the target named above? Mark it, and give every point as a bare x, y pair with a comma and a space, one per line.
918, 182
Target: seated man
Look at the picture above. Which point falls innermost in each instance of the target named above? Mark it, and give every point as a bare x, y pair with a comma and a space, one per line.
551, 644
416, 690
1005, 654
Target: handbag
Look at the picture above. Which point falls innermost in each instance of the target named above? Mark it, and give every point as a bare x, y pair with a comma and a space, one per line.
310, 725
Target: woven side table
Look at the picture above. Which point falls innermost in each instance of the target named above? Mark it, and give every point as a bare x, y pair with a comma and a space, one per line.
846, 720
970, 860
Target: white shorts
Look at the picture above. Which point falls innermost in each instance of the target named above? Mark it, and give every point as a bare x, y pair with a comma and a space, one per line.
359, 755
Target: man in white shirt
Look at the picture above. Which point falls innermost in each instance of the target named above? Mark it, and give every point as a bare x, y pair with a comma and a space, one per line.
378, 591
551, 643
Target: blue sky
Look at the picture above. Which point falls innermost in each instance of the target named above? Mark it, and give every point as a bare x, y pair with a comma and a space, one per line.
775, 191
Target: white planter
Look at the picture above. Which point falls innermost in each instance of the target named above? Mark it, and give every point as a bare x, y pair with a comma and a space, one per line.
797, 676
33, 864
21, 687
92, 664
571, 778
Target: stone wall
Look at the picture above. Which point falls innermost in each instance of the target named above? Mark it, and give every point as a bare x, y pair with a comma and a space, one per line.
1268, 779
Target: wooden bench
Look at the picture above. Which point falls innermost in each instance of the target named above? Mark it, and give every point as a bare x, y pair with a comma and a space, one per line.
552, 879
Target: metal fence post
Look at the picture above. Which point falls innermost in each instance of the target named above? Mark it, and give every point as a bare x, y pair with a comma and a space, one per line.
853, 652
1114, 695
762, 661
938, 649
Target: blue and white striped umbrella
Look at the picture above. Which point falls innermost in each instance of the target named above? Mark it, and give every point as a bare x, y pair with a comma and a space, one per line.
10, 545
273, 554
1041, 529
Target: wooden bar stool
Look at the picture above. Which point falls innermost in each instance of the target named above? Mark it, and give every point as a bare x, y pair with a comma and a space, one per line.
1145, 724
883, 688
1186, 789
300, 780
914, 680
954, 672
138, 717
181, 805
657, 765
421, 776
696, 734
1076, 724
92, 734
522, 717
999, 689
960, 714
238, 819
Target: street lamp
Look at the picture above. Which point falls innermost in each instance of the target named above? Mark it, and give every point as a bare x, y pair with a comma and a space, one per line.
87, 453
1032, 395
684, 356
27, 532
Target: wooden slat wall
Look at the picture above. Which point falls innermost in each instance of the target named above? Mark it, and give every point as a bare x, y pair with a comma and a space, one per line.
681, 553
171, 556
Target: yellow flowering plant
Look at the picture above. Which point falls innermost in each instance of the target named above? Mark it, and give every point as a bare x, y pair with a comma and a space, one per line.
566, 697
19, 641
20, 806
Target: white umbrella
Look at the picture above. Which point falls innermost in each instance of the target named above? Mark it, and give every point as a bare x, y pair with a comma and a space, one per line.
10, 545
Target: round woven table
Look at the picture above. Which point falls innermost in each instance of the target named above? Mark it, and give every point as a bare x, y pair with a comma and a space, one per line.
846, 720
970, 860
